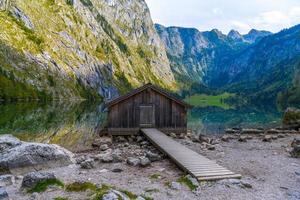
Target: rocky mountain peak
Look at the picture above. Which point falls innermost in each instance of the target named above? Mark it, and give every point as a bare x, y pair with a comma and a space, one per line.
235, 35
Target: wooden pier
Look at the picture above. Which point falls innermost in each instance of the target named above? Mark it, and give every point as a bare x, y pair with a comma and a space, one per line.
191, 162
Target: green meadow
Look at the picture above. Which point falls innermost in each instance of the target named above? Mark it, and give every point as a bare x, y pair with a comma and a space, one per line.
203, 100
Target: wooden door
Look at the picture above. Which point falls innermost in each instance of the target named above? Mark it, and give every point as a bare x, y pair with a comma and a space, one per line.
147, 116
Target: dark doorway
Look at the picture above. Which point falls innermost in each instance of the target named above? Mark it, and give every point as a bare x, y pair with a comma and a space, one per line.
147, 119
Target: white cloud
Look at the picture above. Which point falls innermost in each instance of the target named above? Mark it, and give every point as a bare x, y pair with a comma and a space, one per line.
217, 11
272, 15
241, 26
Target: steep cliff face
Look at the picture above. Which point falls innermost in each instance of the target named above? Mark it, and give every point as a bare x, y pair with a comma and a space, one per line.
193, 53
79, 48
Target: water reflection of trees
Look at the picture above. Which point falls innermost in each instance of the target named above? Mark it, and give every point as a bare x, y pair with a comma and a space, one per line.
215, 120
70, 124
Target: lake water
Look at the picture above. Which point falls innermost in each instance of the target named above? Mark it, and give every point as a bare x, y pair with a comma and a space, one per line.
75, 125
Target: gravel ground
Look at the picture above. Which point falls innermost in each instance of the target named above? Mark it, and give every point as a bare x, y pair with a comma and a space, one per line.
266, 166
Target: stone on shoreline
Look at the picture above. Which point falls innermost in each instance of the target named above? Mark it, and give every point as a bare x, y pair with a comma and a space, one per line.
252, 131
153, 156
133, 161
144, 161
242, 138
26, 156
267, 138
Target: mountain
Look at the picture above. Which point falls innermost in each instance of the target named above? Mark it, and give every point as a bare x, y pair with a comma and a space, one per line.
259, 65
193, 53
69, 49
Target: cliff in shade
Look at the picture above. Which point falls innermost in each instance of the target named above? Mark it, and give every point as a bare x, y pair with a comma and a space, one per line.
78, 49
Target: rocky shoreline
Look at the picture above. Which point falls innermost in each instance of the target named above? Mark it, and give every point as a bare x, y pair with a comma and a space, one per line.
131, 168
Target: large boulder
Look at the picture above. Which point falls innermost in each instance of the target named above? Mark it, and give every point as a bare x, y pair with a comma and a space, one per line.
291, 118
21, 157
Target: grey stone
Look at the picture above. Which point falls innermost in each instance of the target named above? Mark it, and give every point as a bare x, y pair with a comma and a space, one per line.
175, 186
140, 139
104, 147
8, 142
33, 156
173, 135
3, 194
6, 180
121, 195
117, 170
32, 178
242, 138
281, 136
153, 156
225, 138
87, 164
210, 147
140, 198
133, 161
245, 184
110, 196
295, 153
267, 138
295, 142
252, 131
144, 161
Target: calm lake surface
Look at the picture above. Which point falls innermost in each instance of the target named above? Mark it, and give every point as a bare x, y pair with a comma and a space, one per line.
74, 125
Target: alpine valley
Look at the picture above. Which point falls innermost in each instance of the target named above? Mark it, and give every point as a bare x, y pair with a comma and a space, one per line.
94, 49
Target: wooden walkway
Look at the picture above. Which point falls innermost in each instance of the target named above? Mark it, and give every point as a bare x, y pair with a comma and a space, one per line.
195, 164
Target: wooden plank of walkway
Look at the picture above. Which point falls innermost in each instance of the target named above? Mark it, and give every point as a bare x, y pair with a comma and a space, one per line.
190, 161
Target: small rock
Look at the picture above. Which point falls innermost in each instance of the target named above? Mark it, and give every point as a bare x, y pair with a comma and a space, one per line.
225, 138
281, 136
122, 139
32, 178
6, 180
140, 198
117, 170
297, 173
230, 181
295, 142
104, 147
242, 139
103, 171
140, 139
144, 143
144, 162
133, 161
295, 153
245, 184
121, 195
173, 135
210, 147
117, 157
110, 196
175, 186
181, 136
87, 164
105, 158
3, 194
267, 138
274, 137
153, 156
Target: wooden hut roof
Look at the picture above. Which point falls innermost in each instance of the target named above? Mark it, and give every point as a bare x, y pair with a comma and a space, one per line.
147, 86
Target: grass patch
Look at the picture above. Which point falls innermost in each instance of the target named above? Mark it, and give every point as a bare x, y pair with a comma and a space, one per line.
102, 191
60, 198
155, 176
43, 185
184, 180
203, 100
81, 187
129, 194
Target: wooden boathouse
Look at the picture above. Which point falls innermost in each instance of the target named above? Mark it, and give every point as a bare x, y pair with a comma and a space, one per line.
152, 111
147, 107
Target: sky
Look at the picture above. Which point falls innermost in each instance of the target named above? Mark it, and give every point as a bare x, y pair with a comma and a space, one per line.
240, 15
